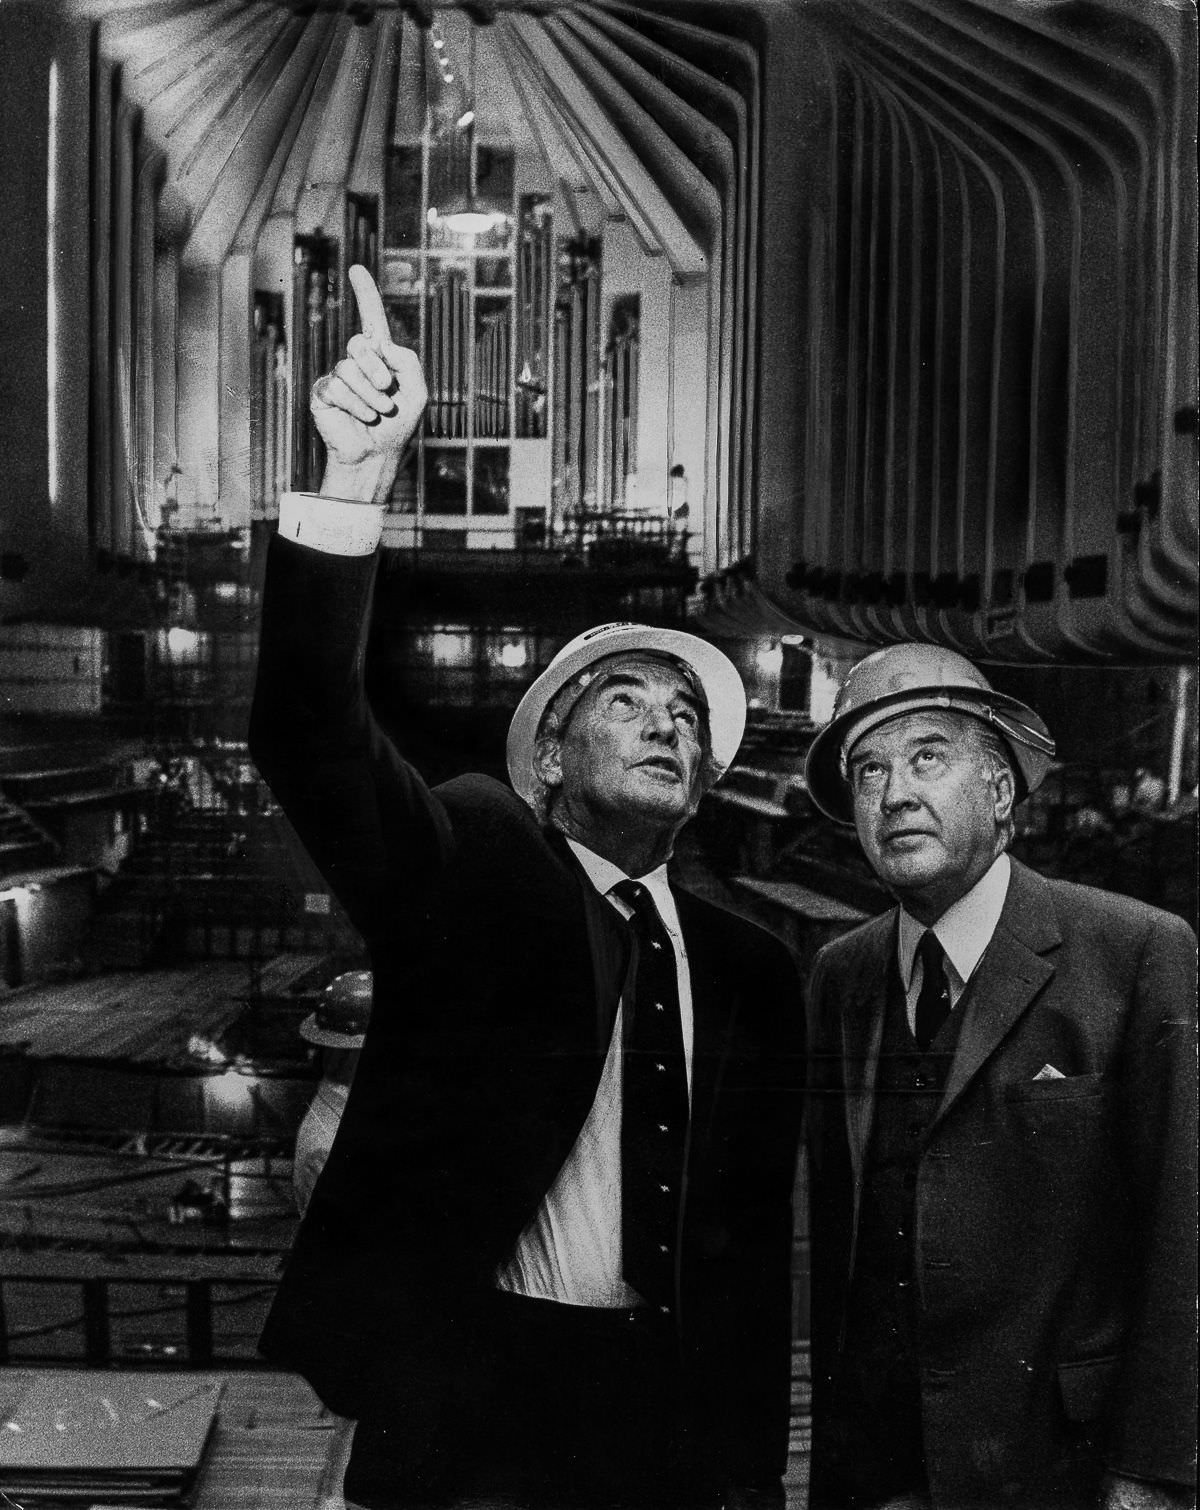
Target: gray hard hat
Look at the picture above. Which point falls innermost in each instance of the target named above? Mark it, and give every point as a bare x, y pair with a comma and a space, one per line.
910, 678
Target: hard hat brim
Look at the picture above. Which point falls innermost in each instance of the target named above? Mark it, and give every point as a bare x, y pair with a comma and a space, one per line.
1007, 716
718, 676
326, 1038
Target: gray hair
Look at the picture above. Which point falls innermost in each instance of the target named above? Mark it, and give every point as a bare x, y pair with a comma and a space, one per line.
999, 759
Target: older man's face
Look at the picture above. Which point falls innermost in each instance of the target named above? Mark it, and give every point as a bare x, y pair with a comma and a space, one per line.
928, 807
633, 748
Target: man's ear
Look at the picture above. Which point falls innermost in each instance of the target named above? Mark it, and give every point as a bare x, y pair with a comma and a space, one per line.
1005, 789
547, 761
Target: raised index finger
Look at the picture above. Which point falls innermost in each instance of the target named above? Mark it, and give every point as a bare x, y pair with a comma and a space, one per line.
371, 312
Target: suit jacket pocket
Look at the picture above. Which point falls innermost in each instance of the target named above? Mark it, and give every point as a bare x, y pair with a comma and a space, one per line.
1068, 1088
1085, 1387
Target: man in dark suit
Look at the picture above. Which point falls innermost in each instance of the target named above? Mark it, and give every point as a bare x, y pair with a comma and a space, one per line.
1002, 1145
549, 1254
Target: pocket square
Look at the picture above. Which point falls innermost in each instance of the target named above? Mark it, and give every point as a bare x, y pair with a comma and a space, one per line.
1048, 1072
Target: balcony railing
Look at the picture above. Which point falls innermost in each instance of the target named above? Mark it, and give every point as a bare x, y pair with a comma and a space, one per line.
615, 540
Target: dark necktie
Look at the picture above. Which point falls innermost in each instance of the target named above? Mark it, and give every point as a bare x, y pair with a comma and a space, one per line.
933, 1003
654, 1108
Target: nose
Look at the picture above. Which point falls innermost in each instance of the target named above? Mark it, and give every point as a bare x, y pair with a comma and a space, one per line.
897, 791
660, 724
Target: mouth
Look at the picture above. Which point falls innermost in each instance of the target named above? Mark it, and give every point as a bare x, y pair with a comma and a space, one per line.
904, 836
660, 766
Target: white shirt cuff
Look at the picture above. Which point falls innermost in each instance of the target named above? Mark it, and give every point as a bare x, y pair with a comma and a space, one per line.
333, 525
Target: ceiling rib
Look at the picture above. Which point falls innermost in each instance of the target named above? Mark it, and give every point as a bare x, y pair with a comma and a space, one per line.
643, 202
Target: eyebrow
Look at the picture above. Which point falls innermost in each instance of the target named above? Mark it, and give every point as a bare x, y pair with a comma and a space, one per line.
860, 756
634, 679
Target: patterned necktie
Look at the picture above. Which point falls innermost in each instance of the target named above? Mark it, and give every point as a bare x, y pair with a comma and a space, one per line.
933, 1003
654, 1108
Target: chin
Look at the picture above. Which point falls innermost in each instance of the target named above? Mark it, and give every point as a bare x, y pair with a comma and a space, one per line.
906, 873
654, 794
668, 808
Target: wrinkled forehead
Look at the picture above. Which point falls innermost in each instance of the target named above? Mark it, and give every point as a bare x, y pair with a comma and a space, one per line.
661, 673
892, 735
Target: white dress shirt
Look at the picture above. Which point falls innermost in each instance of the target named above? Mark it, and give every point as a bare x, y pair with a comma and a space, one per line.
964, 931
571, 1250
333, 525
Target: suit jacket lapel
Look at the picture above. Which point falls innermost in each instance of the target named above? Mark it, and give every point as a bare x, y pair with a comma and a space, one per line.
861, 1021
1011, 973
608, 943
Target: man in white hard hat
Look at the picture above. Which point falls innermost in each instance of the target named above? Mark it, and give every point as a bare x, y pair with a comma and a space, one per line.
1002, 1145
549, 1255
337, 1027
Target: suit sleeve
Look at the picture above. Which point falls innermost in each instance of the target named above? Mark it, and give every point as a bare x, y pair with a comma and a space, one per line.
1154, 1428
757, 1412
369, 822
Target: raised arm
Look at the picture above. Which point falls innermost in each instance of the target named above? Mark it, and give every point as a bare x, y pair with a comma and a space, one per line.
364, 815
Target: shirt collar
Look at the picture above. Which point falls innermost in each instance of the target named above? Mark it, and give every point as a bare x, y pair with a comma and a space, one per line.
604, 875
964, 930
333, 1093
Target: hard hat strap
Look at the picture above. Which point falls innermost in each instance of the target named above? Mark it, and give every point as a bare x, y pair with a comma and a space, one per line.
1021, 733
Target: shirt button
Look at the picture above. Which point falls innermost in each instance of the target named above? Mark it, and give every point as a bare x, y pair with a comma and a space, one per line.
661, 1068
654, 944
920, 1082
658, 1006
666, 1189
662, 1127
662, 1248
666, 1310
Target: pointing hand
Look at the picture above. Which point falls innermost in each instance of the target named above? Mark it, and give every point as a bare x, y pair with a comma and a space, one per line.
368, 407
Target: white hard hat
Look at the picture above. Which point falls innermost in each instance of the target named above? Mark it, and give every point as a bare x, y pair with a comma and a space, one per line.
718, 677
912, 678
344, 1007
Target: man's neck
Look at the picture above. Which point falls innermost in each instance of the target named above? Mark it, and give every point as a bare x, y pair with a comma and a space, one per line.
636, 853
928, 904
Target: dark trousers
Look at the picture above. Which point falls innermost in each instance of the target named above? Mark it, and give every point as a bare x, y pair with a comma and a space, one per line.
868, 1443
566, 1408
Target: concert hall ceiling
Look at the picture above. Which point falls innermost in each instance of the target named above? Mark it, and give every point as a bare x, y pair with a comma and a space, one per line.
926, 274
